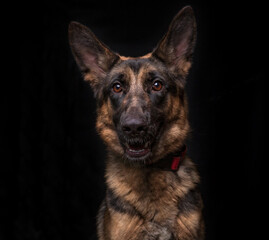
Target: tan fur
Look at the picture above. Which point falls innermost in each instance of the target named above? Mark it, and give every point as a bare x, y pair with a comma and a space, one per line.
160, 205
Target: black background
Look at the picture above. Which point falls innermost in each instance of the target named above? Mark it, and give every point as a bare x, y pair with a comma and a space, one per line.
53, 159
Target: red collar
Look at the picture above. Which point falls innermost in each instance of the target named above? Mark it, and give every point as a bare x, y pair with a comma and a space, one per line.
171, 162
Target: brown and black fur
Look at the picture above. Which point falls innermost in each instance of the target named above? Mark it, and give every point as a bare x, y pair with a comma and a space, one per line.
141, 125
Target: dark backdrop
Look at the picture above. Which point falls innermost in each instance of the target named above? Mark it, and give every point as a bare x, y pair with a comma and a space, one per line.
53, 162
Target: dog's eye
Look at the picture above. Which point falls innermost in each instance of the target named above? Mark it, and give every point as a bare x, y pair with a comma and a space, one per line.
117, 88
157, 85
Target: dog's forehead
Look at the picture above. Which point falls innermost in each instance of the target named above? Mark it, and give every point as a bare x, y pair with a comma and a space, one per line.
135, 70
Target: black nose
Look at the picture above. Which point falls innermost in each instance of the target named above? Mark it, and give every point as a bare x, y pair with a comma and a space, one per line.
134, 125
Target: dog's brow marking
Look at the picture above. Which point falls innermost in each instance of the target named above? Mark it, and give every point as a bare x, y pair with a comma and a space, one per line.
143, 71
136, 84
134, 88
135, 81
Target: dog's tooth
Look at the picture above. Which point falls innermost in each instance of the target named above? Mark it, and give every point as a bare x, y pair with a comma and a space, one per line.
136, 151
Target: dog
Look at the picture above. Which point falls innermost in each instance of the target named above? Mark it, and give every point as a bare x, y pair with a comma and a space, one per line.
152, 186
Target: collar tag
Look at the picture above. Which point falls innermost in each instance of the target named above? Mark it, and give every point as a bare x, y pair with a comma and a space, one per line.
177, 159
175, 163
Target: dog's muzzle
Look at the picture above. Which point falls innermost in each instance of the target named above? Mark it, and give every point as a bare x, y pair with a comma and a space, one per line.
134, 128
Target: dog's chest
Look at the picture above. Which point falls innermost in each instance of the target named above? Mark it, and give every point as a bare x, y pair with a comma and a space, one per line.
152, 204
157, 198
153, 195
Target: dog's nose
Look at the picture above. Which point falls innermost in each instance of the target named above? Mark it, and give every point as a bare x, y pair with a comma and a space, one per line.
134, 126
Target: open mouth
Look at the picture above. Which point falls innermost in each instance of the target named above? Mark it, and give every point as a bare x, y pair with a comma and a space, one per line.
137, 150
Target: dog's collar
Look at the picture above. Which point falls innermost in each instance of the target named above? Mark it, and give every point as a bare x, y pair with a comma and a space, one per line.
171, 162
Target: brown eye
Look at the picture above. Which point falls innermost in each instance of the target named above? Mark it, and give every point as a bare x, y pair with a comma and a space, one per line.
157, 86
117, 88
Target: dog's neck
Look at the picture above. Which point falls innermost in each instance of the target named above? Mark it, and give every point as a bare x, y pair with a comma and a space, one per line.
126, 180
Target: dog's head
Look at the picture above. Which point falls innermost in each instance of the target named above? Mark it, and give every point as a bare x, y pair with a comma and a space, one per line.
142, 112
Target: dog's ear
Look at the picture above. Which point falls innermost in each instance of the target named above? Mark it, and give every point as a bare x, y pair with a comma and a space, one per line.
92, 56
176, 47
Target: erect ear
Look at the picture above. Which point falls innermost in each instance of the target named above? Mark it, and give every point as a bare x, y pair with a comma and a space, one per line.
176, 47
92, 56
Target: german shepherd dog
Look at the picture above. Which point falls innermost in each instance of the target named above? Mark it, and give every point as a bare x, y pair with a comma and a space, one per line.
152, 187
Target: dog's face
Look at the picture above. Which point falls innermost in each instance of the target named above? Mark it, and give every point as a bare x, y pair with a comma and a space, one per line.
142, 112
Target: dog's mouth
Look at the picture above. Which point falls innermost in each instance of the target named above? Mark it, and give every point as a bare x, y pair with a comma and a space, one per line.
137, 150
139, 146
